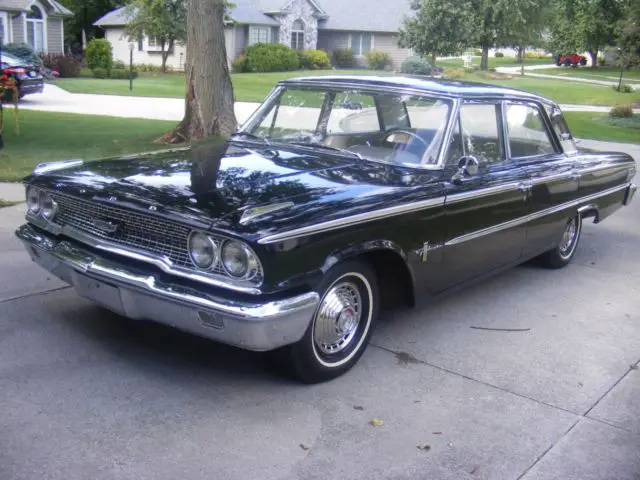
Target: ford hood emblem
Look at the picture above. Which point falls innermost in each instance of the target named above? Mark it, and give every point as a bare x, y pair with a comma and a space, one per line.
106, 226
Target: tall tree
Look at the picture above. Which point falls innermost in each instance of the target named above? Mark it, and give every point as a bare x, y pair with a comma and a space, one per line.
85, 13
586, 25
502, 20
438, 27
628, 33
209, 96
163, 20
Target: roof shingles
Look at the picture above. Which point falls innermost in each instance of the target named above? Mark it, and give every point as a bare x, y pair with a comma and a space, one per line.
347, 15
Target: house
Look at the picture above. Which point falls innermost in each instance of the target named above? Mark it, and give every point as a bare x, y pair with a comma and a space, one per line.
38, 23
362, 25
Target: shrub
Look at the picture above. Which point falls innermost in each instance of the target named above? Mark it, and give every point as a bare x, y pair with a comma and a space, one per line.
24, 52
67, 66
498, 55
535, 55
239, 64
314, 60
149, 67
416, 66
123, 73
99, 54
454, 73
602, 61
343, 57
378, 60
118, 64
115, 73
271, 57
477, 52
624, 88
99, 72
621, 111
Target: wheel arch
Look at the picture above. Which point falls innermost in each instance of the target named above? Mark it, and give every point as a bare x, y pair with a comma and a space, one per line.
590, 211
394, 273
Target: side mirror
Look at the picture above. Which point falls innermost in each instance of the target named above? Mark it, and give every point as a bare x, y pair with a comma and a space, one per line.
467, 167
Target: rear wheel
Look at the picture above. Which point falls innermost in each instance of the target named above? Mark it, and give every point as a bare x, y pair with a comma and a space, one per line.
564, 252
341, 327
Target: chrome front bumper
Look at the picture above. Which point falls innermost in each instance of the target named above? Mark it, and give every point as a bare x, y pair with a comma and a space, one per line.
630, 193
138, 293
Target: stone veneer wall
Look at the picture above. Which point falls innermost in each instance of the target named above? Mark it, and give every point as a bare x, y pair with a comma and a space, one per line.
299, 10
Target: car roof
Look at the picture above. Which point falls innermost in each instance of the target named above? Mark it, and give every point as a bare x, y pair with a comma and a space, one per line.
451, 88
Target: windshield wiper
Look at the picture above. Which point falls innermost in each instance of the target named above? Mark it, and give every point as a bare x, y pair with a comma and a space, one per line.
251, 136
327, 147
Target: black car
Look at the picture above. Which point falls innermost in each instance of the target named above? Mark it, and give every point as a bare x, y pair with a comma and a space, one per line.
27, 76
338, 194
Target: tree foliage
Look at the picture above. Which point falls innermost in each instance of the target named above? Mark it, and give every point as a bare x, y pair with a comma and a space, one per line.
163, 20
628, 33
586, 25
447, 27
85, 13
439, 27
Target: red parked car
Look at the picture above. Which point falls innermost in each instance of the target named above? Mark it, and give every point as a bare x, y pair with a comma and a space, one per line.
571, 60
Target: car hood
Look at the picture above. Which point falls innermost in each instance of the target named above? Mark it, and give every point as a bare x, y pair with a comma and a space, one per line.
212, 185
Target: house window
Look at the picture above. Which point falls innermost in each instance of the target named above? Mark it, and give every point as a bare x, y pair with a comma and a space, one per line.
259, 35
35, 29
153, 42
297, 35
361, 43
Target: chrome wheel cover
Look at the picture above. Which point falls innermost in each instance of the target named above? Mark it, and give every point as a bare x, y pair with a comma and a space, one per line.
569, 237
337, 318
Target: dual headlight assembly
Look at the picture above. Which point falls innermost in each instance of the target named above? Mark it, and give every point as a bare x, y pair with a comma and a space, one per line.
236, 258
40, 203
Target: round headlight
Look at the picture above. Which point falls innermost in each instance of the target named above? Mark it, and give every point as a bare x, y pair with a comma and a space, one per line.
238, 261
48, 206
33, 200
202, 250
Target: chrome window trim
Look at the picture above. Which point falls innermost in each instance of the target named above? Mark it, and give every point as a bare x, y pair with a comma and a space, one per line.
353, 220
162, 262
534, 216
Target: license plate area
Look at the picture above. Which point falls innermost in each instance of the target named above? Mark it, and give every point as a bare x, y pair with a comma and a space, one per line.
99, 292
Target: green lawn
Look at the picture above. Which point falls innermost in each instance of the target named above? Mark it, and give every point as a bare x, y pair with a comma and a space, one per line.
253, 87
7, 203
494, 62
565, 92
248, 87
47, 136
601, 73
595, 126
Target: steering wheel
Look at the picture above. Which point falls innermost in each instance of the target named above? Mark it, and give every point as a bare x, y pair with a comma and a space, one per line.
411, 134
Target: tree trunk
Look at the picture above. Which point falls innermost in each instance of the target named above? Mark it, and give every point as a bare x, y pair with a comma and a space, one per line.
165, 55
520, 54
484, 61
433, 59
209, 97
594, 57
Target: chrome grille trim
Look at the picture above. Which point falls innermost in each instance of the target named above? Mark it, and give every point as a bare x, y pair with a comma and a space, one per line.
142, 237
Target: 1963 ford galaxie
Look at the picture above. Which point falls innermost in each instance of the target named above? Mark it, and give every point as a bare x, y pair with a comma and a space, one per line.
338, 194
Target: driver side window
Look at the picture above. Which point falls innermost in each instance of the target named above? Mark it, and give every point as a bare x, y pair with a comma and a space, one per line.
480, 132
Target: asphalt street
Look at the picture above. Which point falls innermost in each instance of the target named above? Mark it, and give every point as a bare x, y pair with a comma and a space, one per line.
85, 394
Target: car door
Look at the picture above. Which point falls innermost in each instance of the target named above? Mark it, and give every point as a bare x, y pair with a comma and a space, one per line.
484, 210
553, 175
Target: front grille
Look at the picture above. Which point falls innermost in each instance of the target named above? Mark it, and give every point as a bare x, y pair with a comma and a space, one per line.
142, 232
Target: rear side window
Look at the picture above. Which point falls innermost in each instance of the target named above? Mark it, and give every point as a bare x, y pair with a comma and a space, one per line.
528, 135
480, 129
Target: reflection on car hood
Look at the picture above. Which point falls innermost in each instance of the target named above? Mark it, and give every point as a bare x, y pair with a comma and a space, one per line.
214, 183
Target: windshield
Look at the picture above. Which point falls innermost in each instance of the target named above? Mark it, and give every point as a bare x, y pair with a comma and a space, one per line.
10, 60
391, 127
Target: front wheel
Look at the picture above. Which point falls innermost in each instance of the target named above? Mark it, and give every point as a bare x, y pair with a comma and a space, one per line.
341, 327
564, 252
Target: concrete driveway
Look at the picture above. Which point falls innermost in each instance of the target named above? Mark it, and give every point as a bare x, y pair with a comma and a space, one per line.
85, 394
